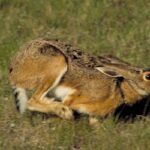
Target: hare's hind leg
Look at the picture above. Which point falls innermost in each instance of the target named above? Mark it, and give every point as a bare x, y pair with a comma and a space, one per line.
39, 102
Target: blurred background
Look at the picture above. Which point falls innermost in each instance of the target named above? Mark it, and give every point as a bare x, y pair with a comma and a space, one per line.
119, 27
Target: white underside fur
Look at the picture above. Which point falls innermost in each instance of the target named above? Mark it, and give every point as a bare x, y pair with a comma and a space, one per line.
63, 93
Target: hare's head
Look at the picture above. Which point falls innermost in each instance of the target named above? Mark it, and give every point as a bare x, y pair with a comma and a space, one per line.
137, 78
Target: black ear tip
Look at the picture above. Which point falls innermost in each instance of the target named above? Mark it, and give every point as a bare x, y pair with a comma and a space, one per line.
10, 70
120, 78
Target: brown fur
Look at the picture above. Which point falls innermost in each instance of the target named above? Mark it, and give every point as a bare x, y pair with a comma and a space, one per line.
95, 91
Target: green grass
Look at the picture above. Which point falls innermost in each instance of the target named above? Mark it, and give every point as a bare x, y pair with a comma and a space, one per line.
119, 27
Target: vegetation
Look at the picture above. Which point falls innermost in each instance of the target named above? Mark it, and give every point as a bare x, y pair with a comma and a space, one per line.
119, 27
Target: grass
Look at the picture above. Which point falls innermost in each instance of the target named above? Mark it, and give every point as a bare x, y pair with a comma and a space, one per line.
119, 27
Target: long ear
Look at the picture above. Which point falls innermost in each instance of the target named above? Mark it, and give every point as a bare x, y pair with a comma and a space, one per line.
109, 72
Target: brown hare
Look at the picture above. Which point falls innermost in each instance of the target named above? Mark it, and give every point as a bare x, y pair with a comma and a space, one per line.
85, 83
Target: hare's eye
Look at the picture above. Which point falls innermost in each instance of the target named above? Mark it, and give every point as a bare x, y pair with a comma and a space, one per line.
147, 76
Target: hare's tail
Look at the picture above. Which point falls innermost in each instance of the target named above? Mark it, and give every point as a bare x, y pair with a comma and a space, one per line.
21, 98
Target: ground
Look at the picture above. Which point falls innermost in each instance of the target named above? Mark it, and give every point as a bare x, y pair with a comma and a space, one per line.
119, 27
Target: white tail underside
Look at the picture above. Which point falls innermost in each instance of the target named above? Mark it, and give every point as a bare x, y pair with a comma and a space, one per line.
21, 99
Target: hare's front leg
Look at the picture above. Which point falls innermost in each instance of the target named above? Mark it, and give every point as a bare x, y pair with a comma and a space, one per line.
93, 108
38, 102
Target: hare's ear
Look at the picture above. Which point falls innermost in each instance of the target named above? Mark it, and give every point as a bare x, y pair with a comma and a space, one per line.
109, 72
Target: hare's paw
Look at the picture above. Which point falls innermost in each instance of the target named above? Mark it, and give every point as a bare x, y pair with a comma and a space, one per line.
54, 107
64, 112
31, 106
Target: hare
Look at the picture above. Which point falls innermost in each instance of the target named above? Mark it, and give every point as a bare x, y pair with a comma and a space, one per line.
74, 80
